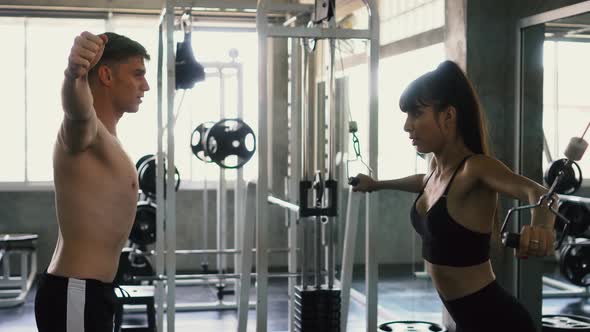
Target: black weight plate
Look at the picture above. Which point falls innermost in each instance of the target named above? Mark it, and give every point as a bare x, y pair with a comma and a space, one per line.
574, 263
570, 182
146, 174
411, 326
579, 216
561, 323
230, 143
141, 160
198, 141
143, 231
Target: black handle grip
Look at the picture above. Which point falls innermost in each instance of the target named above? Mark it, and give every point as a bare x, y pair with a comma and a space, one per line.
353, 181
511, 240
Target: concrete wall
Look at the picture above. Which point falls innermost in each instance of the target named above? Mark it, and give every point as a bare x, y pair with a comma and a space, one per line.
31, 212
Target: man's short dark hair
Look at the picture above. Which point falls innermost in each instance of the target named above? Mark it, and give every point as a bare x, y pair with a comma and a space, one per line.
118, 49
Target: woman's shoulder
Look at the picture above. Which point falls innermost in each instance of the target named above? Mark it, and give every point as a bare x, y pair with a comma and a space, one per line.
478, 159
481, 163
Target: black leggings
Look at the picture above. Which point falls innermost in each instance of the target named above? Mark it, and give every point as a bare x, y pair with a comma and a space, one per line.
491, 309
74, 305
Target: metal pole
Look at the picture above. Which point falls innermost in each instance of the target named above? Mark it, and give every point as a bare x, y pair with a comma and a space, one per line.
352, 217
330, 264
246, 264
221, 190
284, 204
205, 262
295, 147
305, 166
309, 158
24, 275
319, 135
310, 117
170, 192
371, 202
160, 291
317, 226
342, 143
262, 185
305, 114
240, 189
332, 104
228, 251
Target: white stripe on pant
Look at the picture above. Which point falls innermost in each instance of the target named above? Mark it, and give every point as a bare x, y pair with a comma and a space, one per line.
76, 303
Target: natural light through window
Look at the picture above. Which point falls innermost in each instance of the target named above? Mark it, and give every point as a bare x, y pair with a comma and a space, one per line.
397, 156
566, 102
12, 85
32, 84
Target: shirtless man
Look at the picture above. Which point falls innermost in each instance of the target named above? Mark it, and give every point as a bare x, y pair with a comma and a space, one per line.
95, 183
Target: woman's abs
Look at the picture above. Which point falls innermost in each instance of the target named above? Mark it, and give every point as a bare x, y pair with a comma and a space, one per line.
456, 282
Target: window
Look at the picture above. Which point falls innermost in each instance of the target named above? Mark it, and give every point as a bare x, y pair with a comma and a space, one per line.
32, 82
203, 102
358, 98
12, 85
33, 73
402, 19
397, 156
46, 60
566, 105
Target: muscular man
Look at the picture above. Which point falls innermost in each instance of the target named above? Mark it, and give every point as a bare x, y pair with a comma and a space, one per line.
95, 183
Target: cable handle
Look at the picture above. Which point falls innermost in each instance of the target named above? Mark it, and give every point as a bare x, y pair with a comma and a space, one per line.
512, 240
354, 181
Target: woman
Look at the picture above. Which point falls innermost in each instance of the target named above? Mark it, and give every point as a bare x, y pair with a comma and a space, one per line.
454, 212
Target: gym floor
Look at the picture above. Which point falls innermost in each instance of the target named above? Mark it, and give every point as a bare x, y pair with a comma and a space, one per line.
400, 293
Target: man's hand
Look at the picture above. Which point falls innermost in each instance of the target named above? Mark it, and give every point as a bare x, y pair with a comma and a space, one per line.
85, 54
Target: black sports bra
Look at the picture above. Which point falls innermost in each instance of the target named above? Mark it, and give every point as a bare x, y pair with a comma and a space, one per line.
444, 241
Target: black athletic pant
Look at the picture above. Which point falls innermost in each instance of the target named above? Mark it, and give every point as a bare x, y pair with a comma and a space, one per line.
490, 309
74, 305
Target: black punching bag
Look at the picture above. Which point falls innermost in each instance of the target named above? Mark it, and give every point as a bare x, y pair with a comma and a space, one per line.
188, 70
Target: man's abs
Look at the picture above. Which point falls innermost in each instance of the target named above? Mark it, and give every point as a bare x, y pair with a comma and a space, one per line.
95, 198
84, 260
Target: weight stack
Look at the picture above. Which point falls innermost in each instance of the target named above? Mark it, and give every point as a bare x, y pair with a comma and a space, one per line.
317, 310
